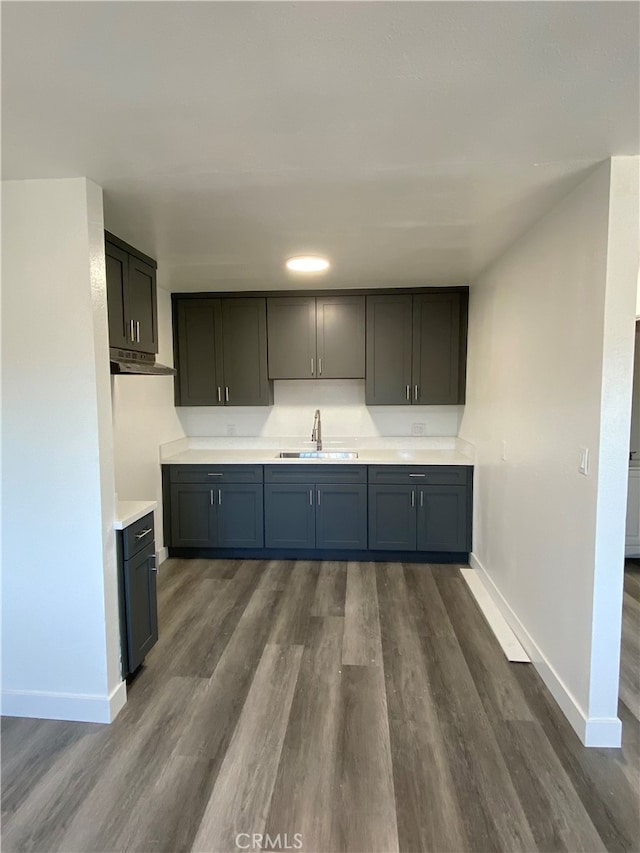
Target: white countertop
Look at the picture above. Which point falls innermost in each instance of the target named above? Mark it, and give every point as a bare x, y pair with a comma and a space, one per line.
264, 456
129, 511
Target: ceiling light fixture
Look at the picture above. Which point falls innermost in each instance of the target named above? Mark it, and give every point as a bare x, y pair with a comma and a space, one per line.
307, 263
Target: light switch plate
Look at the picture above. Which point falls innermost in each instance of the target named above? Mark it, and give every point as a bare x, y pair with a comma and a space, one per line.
584, 464
417, 429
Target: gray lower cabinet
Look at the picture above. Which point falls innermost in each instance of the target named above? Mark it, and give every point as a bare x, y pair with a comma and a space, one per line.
305, 508
221, 351
214, 506
217, 516
289, 515
420, 508
444, 518
392, 518
333, 507
138, 598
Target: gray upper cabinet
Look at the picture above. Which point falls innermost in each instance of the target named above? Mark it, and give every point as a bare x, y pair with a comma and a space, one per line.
291, 335
131, 297
340, 334
316, 338
244, 352
389, 330
415, 349
221, 352
198, 352
436, 349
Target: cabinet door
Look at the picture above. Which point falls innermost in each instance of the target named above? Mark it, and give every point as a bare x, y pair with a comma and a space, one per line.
244, 352
193, 516
117, 267
141, 608
142, 305
199, 353
444, 519
389, 329
341, 517
291, 336
436, 349
289, 516
340, 337
392, 518
240, 518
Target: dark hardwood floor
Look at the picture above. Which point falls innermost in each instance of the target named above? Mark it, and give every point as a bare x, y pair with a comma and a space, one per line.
349, 707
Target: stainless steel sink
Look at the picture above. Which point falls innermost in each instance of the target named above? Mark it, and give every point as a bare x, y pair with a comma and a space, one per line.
318, 454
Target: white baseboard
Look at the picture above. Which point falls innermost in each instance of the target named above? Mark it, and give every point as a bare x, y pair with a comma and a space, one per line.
632, 550
504, 635
64, 706
163, 554
594, 731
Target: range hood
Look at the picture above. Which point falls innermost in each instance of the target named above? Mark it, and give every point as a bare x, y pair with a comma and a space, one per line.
126, 362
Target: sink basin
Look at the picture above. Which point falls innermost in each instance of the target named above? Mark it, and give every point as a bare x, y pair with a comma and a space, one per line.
318, 454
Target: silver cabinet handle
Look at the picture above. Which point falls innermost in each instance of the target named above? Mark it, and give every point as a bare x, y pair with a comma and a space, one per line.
310, 497
211, 497
226, 393
415, 393
421, 498
215, 475
312, 366
144, 533
413, 497
131, 335
409, 393
318, 497
137, 331
417, 475
219, 395
153, 567
219, 497
319, 366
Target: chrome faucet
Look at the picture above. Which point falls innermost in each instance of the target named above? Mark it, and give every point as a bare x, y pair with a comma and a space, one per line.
316, 432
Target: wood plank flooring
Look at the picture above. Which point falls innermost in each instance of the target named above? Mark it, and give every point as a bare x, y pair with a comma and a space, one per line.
341, 706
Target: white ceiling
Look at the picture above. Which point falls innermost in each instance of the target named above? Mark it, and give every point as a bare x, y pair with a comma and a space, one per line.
409, 142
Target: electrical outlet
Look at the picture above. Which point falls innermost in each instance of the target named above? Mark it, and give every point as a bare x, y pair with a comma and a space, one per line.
585, 462
231, 429
417, 429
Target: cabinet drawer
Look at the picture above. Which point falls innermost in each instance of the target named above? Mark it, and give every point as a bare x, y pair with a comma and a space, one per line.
315, 473
420, 475
137, 536
216, 473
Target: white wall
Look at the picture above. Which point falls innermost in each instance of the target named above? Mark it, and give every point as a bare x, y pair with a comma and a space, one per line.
549, 372
344, 414
144, 417
60, 630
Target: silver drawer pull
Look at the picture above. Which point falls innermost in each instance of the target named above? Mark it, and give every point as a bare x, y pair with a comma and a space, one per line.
219, 395
421, 498
138, 331
144, 533
312, 367
226, 393
215, 474
413, 497
409, 393
211, 497
131, 334
310, 497
417, 475
318, 497
219, 497
319, 366
415, 392
153, 567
